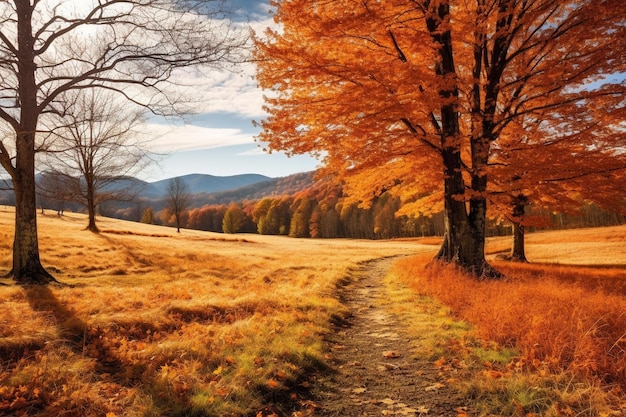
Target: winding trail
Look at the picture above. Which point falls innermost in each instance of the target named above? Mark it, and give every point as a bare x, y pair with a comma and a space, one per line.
377, 372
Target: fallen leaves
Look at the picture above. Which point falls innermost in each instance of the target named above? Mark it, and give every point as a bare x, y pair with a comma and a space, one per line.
434, 387
391, 354
396, 408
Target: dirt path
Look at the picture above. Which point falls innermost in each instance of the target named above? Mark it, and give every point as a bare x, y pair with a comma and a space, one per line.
377, 373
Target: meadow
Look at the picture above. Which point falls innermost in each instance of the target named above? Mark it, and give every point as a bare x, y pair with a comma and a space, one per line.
149, 322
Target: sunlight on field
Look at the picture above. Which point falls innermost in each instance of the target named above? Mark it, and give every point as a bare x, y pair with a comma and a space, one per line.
167, 323
150, 322
601, 246
593, 246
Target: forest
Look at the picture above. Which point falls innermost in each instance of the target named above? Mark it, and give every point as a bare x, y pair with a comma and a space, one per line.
323, 212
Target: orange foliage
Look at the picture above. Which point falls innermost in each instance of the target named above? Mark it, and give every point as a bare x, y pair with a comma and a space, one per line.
417, 98
555, 320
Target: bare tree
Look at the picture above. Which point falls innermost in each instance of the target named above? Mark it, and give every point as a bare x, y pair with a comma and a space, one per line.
96, 147
178, 199
132, 47
55, 191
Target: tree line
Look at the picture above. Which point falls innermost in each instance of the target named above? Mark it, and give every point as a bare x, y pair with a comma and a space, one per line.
310, 214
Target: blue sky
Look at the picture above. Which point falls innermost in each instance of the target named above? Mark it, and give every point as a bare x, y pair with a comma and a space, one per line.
219, 139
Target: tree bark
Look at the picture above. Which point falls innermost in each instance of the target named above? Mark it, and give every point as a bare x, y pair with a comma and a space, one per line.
464, 239
518, 252
91, 209
27, 268
90, 193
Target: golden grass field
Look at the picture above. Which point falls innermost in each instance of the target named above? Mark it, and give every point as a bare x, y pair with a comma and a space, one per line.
160, 323
156, 323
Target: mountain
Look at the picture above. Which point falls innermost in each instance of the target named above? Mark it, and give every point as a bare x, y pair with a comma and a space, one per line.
205, 190
289, 185
204, 183
196, 184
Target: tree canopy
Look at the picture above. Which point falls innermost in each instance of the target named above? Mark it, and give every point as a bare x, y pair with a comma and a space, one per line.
414, 98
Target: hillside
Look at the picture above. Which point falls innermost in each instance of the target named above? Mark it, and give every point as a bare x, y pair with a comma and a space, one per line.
204, 183
289, 185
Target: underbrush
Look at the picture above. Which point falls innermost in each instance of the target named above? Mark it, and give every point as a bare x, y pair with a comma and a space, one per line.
568, 332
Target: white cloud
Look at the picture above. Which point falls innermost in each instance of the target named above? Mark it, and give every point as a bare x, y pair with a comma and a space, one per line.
233, 90
168, 138
212, 91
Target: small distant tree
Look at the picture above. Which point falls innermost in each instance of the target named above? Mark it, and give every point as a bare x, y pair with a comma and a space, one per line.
178, 200
54, 191
299, 226
148, 216
259, 215
233, 219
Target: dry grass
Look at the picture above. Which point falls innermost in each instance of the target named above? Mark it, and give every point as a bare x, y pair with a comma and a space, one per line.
159, 323
566, 323
595, 247
199, 324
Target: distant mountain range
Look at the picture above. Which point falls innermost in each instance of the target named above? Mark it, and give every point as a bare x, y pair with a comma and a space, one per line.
210, 189
196, 184
205, 189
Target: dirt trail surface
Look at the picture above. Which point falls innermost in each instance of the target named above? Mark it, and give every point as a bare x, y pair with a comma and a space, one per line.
377, 372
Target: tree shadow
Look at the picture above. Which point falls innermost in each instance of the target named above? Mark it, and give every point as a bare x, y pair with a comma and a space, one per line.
41, 299
73, 330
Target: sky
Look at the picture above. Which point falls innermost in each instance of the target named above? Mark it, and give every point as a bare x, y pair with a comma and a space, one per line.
219, 139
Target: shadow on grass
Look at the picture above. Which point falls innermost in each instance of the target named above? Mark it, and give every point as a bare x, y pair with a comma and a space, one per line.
72, 329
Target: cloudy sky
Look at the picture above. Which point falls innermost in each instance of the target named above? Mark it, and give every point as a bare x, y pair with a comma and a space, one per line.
219, 140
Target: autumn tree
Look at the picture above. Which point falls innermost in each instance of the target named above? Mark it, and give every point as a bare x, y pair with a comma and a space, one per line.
233, 219
259, 215
178, 200
299, 226
147, 216
132, 47
559, 163
95, 147
412, 98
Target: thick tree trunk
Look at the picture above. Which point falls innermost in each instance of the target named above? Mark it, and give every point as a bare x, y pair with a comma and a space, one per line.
27, 268
456, 227
464, 239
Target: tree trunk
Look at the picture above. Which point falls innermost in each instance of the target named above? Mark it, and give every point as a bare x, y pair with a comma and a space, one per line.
518, 253
27, 268
464, 238
91, 205
456, 228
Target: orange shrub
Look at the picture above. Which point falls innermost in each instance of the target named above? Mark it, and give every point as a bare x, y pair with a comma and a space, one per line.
558, 324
